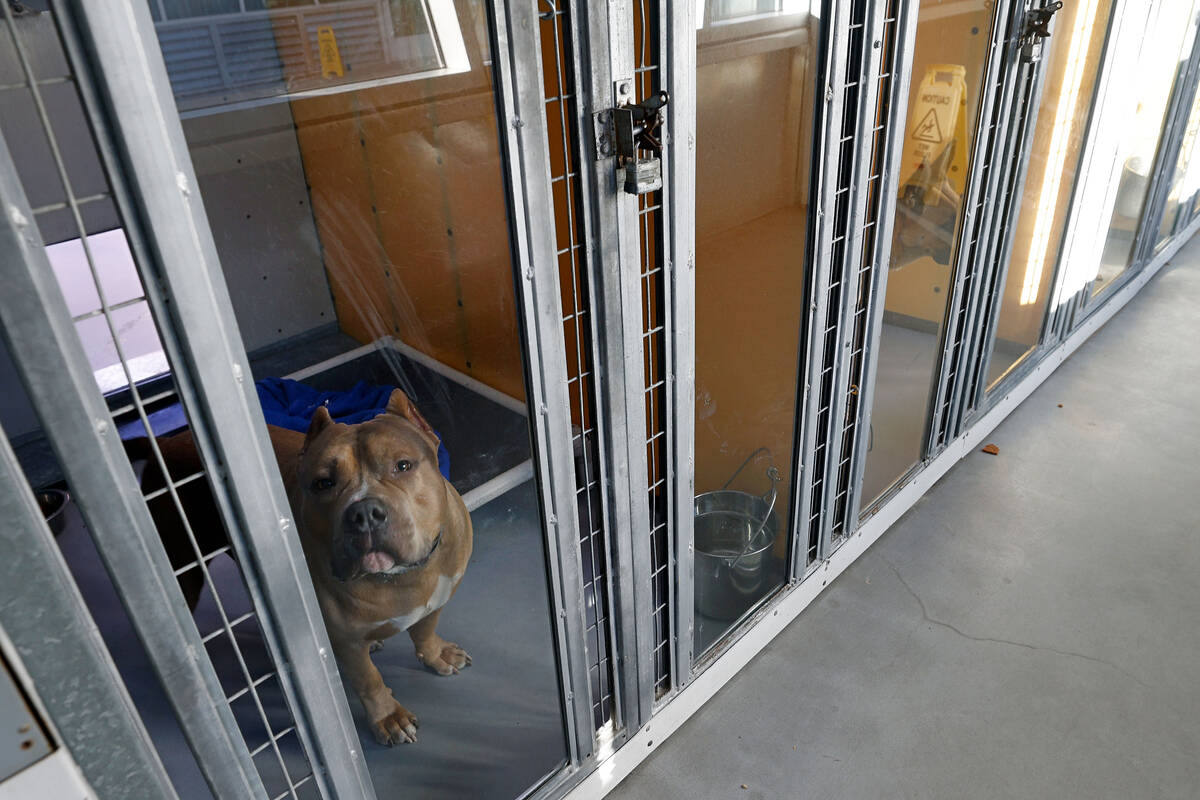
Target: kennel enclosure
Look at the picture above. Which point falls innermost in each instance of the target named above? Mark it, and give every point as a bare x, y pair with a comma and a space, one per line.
698, 296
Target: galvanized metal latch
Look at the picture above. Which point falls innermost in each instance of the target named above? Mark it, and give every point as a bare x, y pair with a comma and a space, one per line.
1037, 29
630, 132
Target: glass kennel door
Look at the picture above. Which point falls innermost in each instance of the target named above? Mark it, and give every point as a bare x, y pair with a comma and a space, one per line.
755, 86
1071, 60
352, 164
1165, 49
315, 215
951, 70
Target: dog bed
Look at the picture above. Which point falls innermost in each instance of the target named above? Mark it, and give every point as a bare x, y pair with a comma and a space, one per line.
290, 404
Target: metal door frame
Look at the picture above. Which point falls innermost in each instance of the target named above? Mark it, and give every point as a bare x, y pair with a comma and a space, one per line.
977, 353
995, 105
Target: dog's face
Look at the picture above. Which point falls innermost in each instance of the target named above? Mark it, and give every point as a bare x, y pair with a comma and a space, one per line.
372, 492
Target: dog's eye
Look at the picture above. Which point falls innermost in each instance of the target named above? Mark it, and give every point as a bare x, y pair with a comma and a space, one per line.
322, 484
403, 465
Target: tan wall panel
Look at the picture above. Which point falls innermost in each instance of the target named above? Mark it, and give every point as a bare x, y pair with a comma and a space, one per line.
409, 200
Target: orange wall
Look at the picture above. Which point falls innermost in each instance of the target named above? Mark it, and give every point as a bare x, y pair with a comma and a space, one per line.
1023, 323
408, 196
753, 121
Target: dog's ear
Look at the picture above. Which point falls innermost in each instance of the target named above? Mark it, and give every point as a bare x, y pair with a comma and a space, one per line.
399, 404
320, 421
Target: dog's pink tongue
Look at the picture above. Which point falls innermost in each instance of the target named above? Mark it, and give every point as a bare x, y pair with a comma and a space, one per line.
375, 561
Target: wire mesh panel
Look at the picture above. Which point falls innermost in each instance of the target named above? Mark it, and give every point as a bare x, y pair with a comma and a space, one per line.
994, 272
647, 82
996, 172
828, 445
579, 321
862, 269
100, 271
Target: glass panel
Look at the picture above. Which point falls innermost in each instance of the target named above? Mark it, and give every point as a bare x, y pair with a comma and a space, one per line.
730, 10
754, 130
948, 64
281, 49
361, 221
1166, 47
1186, 179
1072, 63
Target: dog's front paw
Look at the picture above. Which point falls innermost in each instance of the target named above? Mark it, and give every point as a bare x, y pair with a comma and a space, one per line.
444, 658
398, 726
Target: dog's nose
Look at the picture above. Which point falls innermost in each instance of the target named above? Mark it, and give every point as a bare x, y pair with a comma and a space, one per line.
365, 517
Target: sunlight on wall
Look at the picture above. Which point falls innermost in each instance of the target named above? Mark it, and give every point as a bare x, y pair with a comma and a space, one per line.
1064, 121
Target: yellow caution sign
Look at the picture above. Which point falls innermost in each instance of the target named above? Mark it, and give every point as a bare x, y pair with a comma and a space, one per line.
933, 172
935, 153
331, 59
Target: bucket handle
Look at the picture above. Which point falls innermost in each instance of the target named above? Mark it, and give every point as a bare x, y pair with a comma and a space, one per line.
773, 493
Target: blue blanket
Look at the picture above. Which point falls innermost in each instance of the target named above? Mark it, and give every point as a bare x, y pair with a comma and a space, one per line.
291, 404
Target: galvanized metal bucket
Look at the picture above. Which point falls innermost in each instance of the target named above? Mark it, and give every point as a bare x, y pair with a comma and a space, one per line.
734, 532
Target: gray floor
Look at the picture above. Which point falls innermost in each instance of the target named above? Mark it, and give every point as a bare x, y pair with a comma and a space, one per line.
905, 373
492, 731
1028, 630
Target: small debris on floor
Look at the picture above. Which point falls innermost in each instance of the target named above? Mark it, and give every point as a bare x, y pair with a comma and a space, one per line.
1060, 405
744, 786
991, 449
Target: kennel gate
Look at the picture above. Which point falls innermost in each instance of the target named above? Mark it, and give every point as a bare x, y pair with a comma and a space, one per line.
148, 174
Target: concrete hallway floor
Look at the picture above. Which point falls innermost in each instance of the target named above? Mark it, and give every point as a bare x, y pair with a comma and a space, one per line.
1030, 629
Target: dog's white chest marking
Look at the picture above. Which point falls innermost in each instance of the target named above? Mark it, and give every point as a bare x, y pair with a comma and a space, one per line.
441, 594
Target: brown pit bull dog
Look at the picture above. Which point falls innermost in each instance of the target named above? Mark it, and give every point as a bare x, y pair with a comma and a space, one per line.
387, 540
386, 537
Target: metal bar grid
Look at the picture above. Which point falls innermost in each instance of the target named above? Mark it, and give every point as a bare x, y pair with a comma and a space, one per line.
972, 229
900, 69
1018, 87
826, 251
96, 722
525, 156
49, 355
560, 99
176, 259
107, 310
655, 326
854, 84
1017, 150
862, 265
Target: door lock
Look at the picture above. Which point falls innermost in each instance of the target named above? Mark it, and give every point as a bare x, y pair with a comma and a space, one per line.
631, 133
1037, 29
